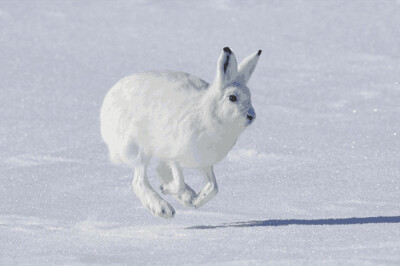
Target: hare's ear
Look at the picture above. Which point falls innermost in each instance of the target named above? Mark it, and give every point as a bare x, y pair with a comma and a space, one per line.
246, 68
226, 67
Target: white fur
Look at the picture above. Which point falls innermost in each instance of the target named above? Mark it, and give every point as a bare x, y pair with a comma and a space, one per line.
180, 119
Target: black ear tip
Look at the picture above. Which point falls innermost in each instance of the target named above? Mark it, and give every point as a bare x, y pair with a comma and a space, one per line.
228, 50
259, 52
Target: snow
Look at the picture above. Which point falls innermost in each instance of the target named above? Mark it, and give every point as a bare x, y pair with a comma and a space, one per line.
315, 180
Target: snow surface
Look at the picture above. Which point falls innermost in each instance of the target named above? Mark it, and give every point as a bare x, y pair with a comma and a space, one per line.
307, 183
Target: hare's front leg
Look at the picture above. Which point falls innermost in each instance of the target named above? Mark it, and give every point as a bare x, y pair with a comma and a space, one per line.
209, 190
146, 194
172, 178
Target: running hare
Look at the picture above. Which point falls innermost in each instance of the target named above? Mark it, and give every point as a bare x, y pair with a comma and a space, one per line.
183, 121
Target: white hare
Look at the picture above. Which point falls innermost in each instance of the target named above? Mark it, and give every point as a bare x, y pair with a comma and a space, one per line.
183, 121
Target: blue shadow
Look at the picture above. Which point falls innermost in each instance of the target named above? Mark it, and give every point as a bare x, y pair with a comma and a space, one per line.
339, 221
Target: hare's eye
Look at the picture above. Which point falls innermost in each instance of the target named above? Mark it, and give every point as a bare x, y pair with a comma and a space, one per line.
232, 98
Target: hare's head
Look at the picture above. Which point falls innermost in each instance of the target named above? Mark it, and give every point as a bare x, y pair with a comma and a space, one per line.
233, 100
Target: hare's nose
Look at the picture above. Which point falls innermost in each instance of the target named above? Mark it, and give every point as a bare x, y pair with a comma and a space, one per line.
251, 115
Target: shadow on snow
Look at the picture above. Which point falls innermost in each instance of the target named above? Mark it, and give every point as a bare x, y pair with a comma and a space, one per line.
340, 221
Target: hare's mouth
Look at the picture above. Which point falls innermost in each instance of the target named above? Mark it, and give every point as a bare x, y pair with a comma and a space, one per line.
246, 124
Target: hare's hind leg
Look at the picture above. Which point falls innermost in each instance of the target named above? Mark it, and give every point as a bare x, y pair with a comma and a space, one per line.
176, 185
209, 190
146, 194
173, 183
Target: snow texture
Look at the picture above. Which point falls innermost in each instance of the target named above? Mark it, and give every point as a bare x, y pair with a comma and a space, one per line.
315, 180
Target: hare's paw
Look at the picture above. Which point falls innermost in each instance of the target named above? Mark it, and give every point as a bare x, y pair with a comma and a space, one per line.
207, 193
171, 188
155, 204
186, 198
164, 210
160, 208
198, 202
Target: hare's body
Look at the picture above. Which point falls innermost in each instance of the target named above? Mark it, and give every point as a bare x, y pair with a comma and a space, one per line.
178, 129
180, 119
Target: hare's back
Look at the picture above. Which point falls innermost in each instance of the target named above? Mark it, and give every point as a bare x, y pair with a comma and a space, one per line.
165, 81
154, 91
150, 92
149, 104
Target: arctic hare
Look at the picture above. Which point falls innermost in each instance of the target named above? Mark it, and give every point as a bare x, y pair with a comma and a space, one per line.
183, 121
